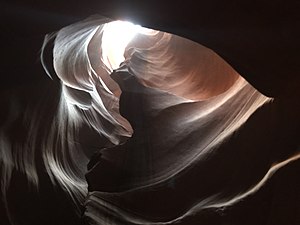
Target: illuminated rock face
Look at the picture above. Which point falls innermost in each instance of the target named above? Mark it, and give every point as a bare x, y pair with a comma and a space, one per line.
165, 108
174, 100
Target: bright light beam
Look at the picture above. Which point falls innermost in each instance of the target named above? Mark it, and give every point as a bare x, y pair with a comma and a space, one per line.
115, 38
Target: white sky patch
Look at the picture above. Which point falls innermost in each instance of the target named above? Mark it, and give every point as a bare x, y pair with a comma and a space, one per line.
116, 36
